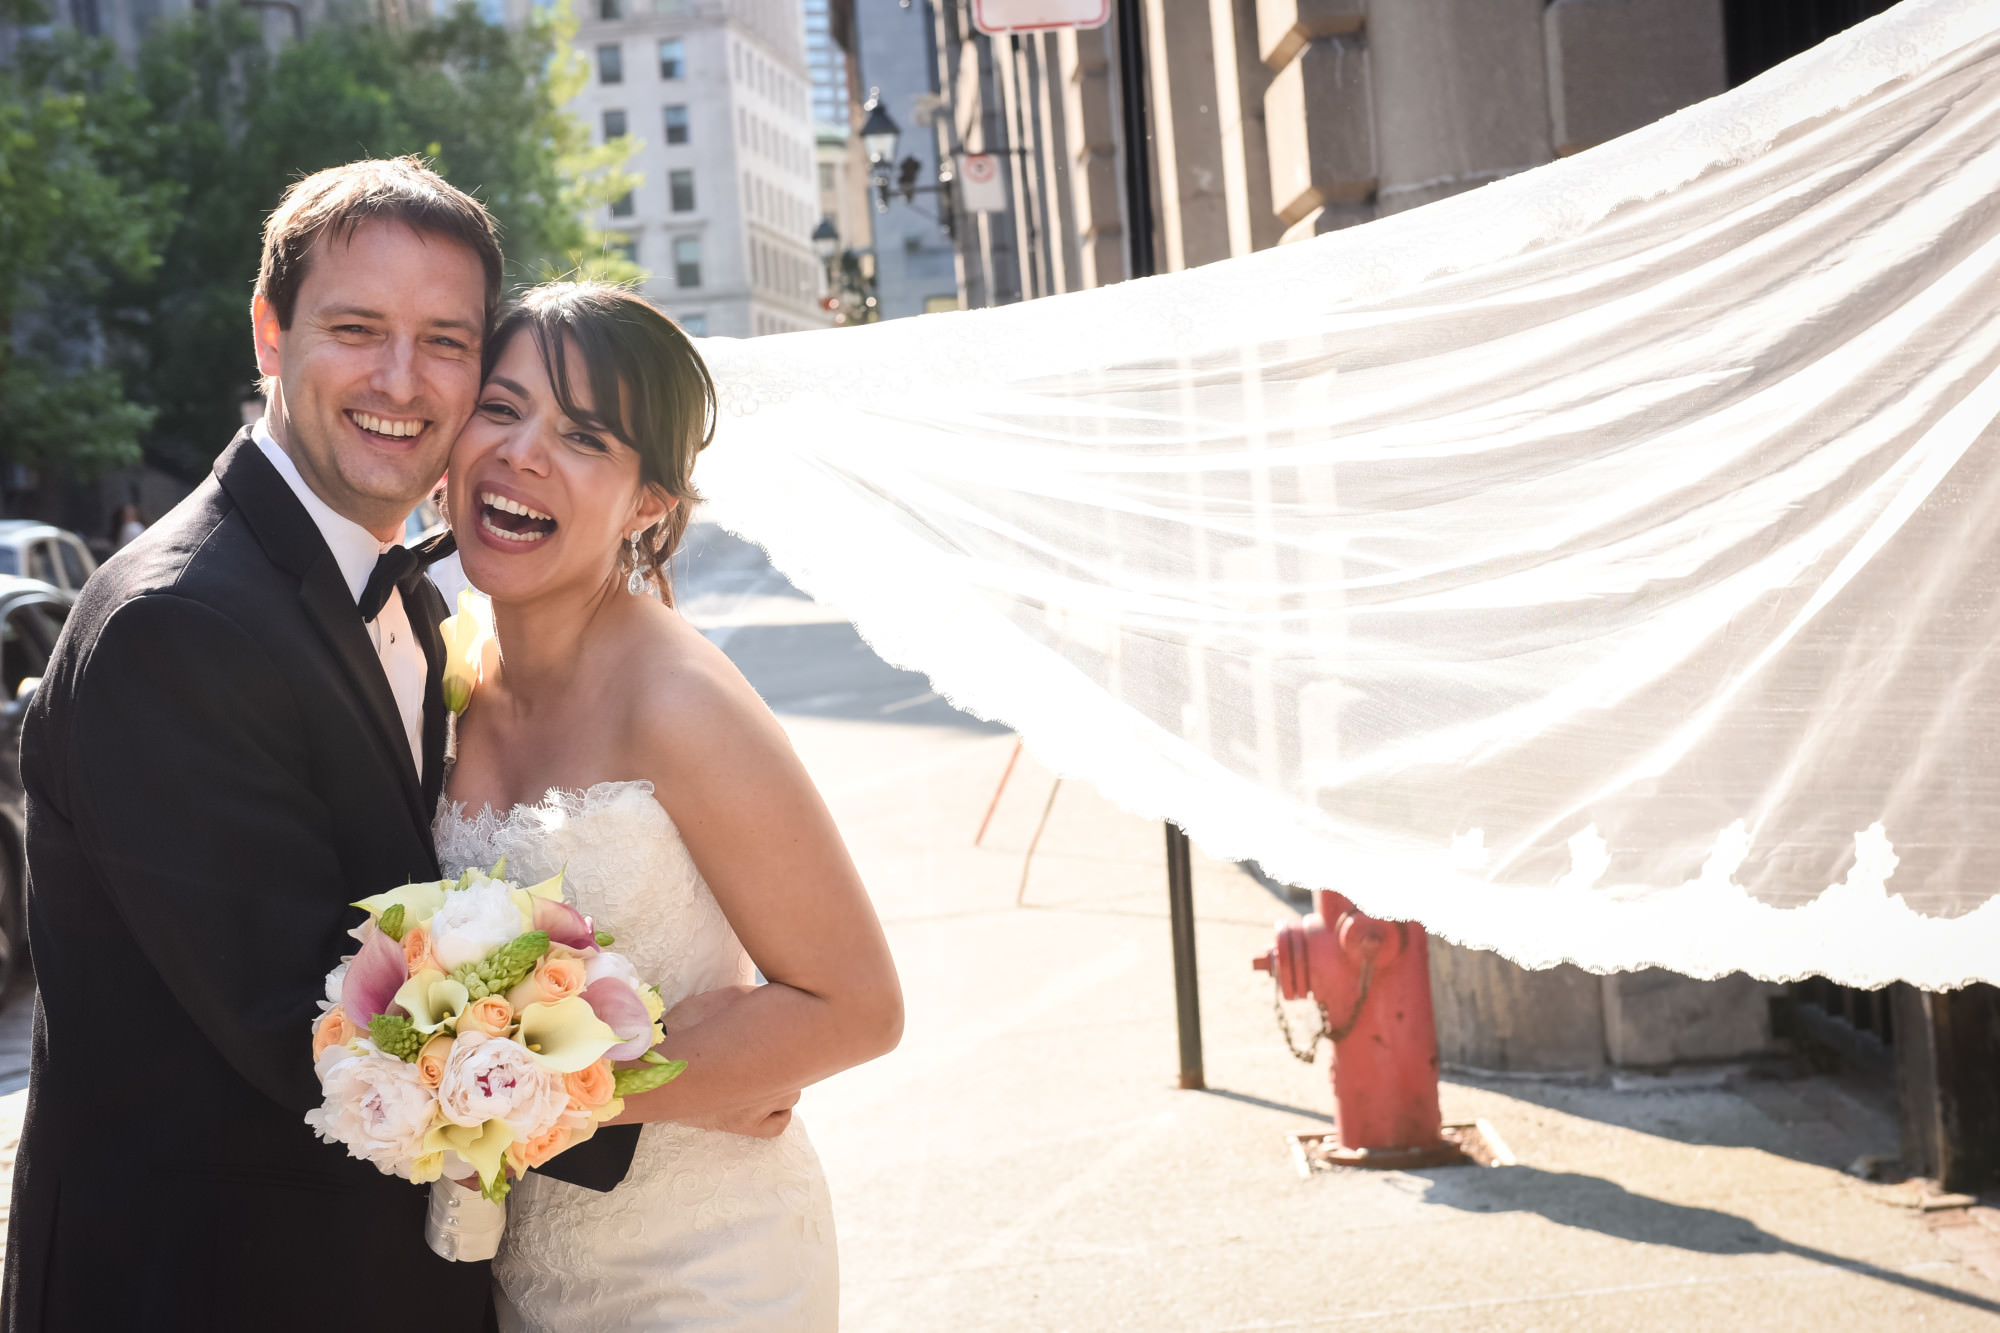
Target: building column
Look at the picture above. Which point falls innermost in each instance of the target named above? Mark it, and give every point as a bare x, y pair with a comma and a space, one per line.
1615, 65
1319, 116
1241, 80
1187, 139
1461, 96
1083, 62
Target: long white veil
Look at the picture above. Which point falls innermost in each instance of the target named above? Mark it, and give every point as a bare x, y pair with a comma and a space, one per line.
1596, 567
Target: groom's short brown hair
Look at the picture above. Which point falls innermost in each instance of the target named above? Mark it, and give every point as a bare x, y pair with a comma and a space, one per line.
336, 201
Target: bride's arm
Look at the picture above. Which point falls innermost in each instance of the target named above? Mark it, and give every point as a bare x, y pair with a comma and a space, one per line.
764, 841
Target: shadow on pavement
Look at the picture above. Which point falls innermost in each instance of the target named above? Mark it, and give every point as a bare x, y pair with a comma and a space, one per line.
1244, 1097
1590, 1203
825, 670
802, 666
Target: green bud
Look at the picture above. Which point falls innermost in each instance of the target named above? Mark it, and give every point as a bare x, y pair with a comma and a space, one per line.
505, 968
390, 923
497, 1191
627, 1082
396, 1036
605, 939
499, 870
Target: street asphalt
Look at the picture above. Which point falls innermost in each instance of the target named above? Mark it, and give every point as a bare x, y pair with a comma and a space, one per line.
1026, 1161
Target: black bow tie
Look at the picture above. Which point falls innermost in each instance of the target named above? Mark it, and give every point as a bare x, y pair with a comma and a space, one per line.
402, 567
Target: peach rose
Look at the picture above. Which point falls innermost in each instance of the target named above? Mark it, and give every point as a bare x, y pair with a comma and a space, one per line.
492, 1015
526, 1155
417, 950
430, 1060
334, 1028
590, 1086
554, 978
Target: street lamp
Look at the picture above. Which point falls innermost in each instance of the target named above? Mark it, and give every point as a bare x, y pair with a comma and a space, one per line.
879, 132
826, 240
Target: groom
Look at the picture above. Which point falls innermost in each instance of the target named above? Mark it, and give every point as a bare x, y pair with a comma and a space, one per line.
240, 733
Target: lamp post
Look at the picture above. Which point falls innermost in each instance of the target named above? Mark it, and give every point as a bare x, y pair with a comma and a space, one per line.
880, 131
848, 296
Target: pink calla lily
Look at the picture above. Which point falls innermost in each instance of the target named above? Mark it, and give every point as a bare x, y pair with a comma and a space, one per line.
373, 978
619, 1007
565, 925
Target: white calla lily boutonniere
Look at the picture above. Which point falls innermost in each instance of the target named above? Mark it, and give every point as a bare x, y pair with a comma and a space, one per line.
468, 639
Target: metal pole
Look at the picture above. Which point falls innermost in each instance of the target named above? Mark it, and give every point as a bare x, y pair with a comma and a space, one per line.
1187, 999
1138, 138
1139, 247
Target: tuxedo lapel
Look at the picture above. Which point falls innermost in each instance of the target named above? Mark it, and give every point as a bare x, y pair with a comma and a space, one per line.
289, 536
427, 611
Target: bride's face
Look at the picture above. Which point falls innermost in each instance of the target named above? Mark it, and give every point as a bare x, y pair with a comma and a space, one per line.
540, 502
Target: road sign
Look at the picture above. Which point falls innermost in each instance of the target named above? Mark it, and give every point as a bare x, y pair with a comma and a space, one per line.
979, 187
999, 17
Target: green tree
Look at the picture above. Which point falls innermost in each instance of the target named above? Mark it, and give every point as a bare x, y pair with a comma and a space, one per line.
238, 123
77, 214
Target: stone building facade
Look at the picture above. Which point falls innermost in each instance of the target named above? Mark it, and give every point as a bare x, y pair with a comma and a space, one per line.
1275, 120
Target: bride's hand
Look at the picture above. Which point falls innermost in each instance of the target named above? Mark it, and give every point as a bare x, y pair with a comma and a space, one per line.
757, 1122
764, 1121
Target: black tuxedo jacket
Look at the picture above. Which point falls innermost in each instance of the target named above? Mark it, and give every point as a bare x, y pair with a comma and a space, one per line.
215, 768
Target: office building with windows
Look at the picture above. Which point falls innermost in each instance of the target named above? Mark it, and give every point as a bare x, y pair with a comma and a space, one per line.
717, 96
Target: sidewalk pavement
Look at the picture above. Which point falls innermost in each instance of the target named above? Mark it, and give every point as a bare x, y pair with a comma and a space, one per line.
1025, 1160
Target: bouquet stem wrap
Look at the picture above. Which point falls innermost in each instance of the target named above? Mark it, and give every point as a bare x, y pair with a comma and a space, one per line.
463, 1225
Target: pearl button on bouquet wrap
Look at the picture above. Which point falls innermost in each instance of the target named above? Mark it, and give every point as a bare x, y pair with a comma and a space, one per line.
475, 1033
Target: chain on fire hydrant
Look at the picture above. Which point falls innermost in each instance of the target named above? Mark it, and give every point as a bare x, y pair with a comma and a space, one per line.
1376, 976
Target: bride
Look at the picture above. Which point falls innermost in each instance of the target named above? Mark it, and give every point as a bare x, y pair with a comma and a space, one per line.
615, 743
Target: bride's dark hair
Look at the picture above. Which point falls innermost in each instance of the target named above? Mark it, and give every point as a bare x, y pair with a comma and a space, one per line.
650, 386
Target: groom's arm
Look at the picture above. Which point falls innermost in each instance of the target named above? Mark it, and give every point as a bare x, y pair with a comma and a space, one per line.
188, 785
599, 1162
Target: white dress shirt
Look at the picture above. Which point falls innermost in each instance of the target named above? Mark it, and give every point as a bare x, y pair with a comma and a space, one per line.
355, 551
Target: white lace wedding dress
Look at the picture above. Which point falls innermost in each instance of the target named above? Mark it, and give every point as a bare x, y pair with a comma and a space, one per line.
710, 1231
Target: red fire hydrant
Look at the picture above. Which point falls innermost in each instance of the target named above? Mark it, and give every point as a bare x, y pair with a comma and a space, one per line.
1372, 980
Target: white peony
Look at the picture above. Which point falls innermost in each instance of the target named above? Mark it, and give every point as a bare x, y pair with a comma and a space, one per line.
492, 1078
473, 923
335, 980
376, 1105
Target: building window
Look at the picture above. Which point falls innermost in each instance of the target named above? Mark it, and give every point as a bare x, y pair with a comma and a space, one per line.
687, 261
673, 61
677, 124
680, 186
610, 9
826, 177
695, 325
621, 207
614, 125
626, 247
611, 63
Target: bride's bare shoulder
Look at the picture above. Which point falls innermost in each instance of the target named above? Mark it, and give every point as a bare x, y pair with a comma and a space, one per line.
687, 699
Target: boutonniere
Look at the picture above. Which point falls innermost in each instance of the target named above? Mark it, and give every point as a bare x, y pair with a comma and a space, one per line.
467, 636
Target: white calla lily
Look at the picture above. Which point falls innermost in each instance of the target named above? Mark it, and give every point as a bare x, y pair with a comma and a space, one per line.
419, 901
484, 1149
432, 1000
566, 1036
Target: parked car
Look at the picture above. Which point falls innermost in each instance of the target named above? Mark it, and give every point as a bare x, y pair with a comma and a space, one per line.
31, 615
38, 551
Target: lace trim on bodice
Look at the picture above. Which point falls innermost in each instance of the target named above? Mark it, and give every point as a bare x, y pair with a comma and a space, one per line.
623, 864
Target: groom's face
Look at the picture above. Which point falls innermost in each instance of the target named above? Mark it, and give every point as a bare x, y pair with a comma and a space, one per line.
379, 368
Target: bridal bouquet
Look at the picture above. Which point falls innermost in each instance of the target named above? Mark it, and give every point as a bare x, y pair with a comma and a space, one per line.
475, 1029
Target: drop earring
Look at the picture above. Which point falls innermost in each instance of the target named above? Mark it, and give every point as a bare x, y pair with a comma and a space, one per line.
636, 582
